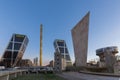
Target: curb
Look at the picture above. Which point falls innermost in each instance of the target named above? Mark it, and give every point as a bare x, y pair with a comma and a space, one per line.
101, 74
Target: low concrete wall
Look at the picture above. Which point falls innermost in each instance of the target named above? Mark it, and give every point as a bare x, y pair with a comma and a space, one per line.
8, 75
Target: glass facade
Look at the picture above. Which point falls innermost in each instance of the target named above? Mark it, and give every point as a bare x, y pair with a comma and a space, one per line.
61, 50
60, 46
60, 43
10, 45
14, 51
17, 46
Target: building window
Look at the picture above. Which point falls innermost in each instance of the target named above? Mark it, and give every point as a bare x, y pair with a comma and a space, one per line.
12, 39
8, 54
58, 68
60, 43
15, 54
57, 63
17, 46
66, 50
10, 45
61, 50
67, 57
62, 56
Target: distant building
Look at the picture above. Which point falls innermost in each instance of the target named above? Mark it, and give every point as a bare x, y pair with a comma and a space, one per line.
15, 50
107, 57
25, 63
92, 64
80, 41
51, 64
35, 61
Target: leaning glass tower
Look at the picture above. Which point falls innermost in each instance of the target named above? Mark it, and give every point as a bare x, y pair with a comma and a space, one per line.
15, 50
61, 47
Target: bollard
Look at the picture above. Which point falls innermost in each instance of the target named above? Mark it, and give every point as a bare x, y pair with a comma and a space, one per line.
15, 75
8, 77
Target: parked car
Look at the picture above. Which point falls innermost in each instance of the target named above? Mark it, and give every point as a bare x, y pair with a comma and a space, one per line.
49, 69
32, 70
42, 70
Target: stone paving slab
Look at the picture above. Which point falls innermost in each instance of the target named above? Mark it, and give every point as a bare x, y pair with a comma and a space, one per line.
81, 76
69, 76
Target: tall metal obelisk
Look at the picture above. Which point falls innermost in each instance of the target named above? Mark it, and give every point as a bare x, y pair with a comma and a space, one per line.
41, 45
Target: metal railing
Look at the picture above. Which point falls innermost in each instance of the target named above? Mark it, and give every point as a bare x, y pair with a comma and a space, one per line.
8, 75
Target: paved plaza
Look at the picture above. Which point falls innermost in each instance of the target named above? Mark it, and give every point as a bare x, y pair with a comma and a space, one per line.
82, 76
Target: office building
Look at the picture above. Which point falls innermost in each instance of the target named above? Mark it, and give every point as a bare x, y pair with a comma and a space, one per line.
25, 63
35, 61
51, 63
80, 41
107, 57
60, 62
61, 48
15, 50
61, 56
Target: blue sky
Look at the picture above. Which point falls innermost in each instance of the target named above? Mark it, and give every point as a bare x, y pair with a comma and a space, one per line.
58, 18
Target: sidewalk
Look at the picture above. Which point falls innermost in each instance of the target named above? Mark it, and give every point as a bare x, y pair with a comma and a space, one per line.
70, 76
82, 76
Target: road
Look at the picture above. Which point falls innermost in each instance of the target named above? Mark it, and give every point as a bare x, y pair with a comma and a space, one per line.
81, 76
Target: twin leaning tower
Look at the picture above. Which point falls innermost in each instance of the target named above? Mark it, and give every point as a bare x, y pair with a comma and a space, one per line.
17, 45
